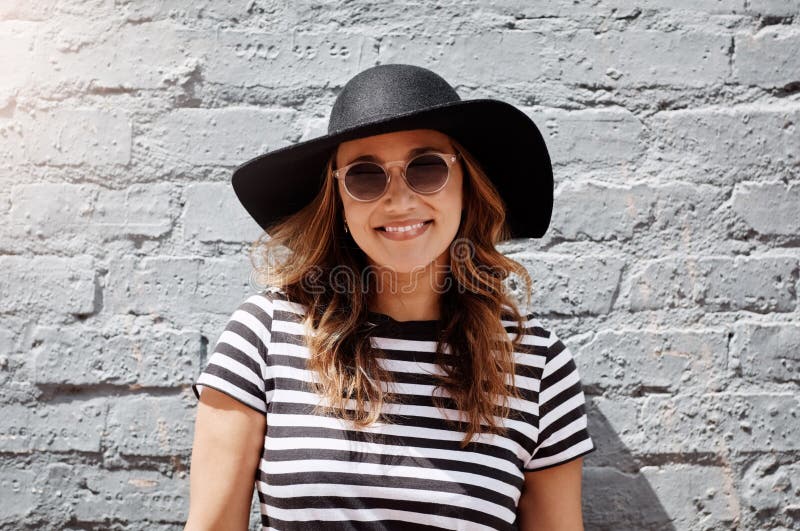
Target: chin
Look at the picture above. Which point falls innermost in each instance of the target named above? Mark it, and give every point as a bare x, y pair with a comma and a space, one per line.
403, 265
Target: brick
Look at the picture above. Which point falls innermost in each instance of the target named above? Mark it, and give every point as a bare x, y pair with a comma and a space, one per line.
600, 211
773, 7
215, 136
313, 128
63, 285
133, 56
16, 491
595, 136
7, 342
127, 495
49, 210
768, 207
152, 426
717, 283
767, 352
680, 58
214, 213
719, 423
560, 282
606, 487
632, 362
740, 136
693, 496
605, 8
667, 497
666, 282
285, 58
781, 44
768, 489
679, 208
583, 57
65, 427
24, 11
78, 137
703, 6
177, 286
16, 55
65, 481
610, 8
14, 385
156, 356
756, 283
52, 9
185, 10
140, 209
13, 151
485, 57
619, 425
5, 204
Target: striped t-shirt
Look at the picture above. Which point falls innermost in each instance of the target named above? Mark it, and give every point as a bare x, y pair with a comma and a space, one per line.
318, 472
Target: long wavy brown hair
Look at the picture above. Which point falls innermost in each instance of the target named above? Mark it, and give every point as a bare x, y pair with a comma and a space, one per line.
318, 265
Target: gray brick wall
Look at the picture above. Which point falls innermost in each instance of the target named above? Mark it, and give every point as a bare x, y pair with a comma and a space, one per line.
671, 268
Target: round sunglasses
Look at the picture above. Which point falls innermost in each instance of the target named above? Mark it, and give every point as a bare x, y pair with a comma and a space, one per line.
426, 173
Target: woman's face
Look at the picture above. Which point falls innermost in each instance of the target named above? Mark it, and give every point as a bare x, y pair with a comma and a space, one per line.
402, 206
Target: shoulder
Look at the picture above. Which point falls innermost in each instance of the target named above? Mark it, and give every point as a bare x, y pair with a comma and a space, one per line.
254, 308
540, 350
532, 327
282, 309
271, 297
252, 318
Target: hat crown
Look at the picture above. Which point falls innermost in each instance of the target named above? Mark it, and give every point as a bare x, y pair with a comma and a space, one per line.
386, 91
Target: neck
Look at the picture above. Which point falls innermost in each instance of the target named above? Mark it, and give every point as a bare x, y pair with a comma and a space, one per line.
412, 296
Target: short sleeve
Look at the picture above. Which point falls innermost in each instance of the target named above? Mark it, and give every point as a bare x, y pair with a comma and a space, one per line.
238, 364
563, 434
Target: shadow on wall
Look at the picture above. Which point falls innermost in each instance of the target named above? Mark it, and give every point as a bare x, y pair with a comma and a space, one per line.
617, 495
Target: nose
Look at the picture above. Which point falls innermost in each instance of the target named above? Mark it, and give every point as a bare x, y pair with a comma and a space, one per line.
398, 188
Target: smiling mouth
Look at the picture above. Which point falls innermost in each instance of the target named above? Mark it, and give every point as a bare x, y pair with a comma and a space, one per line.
404, 229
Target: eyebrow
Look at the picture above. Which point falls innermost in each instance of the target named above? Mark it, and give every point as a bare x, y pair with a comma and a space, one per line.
409, 154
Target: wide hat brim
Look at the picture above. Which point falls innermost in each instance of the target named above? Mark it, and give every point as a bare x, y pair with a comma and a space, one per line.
503, 139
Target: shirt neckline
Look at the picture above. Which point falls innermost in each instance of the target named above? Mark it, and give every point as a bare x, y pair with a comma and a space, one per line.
388, 318
421, 330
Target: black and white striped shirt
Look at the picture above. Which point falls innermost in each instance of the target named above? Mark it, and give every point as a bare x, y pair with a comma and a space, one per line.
317, 472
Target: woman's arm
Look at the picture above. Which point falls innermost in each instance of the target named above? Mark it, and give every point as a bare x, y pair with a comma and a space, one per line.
551, 499
228, 439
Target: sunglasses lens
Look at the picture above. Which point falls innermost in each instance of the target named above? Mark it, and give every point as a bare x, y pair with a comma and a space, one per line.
365, 181
427, 173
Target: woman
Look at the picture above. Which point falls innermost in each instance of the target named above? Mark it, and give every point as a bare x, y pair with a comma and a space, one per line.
385, 378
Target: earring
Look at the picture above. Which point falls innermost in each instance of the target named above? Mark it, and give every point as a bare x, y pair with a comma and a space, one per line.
346, 230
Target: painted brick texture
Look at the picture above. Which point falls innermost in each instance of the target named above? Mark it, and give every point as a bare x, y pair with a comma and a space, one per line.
671, 268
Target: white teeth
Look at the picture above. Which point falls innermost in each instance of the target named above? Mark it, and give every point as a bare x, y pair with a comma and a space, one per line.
404, 229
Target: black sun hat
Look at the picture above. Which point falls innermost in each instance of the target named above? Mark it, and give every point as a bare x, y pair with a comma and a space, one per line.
395, 97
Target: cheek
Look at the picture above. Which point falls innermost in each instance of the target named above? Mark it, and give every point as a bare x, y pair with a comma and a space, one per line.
458, 187
456, 202
356, 215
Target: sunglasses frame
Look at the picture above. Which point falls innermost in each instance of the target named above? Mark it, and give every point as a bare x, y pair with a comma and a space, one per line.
449, 159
